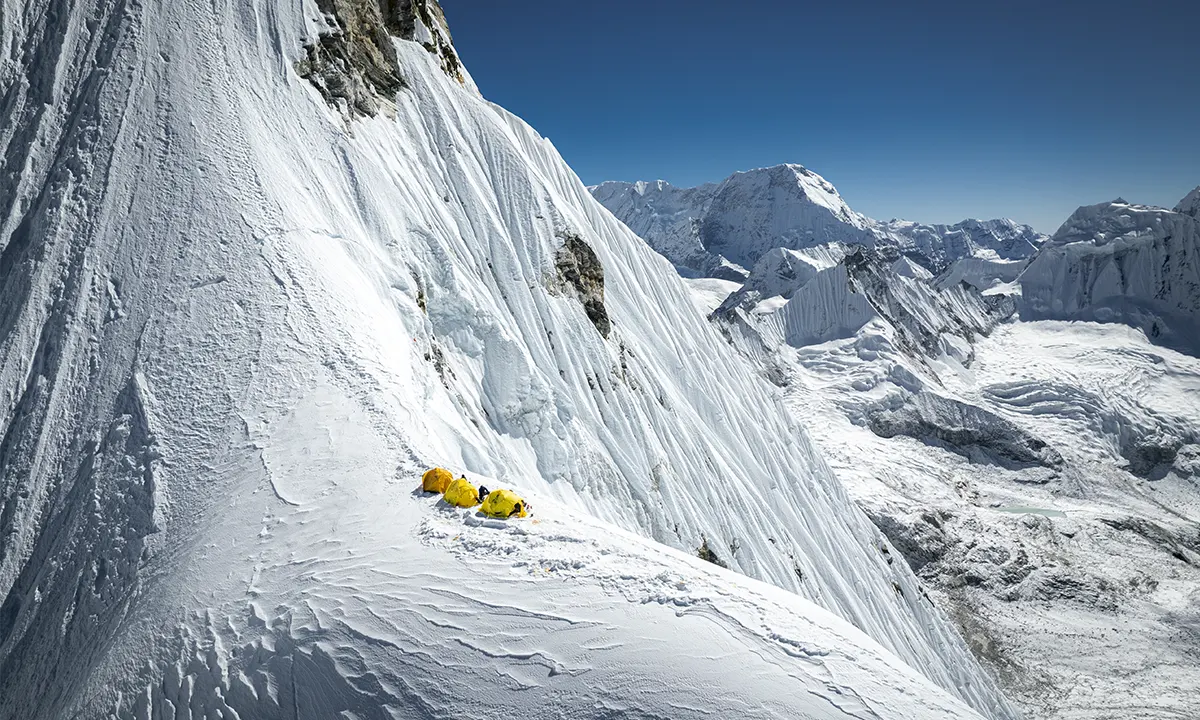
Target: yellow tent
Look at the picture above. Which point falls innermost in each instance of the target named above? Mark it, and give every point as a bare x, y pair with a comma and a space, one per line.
504, 504
436, 480
462, 493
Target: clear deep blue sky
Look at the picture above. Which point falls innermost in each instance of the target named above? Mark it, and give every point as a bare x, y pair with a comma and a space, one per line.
932, 111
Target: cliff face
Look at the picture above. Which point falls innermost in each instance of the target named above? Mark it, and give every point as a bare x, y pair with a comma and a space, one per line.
1117, 262
352, 58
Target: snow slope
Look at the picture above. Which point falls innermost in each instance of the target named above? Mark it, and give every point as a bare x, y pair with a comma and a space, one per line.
241, 313
1074, 578
1117, 262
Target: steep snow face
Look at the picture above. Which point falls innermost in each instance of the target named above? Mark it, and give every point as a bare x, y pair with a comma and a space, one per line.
1116, 262
1190, 204
983, 239
235, 329
906, 267
781, 272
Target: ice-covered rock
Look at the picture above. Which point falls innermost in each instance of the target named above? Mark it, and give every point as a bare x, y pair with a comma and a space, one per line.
352, 59
1117, 262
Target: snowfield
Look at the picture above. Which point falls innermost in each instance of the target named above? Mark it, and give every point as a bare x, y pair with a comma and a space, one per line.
1079, 581
250, 291
360, 598
1039, 476
1041, 480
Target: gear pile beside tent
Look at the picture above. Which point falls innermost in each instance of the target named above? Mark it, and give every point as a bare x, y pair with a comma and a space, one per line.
502, 504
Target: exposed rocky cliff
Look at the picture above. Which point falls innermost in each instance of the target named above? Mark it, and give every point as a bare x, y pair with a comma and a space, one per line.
352, 58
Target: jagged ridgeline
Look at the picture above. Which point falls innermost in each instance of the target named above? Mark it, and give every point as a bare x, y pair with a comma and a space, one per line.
352, 60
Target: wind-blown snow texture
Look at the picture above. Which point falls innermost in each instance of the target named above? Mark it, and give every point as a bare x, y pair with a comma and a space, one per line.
236, 325
737, 221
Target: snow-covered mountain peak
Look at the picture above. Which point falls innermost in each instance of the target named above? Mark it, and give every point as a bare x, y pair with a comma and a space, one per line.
713, 229
233, 334
1190, 204
641, 187
784, 206
1109, 222
811, 187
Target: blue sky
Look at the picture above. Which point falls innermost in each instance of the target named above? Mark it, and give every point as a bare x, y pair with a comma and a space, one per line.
932, 111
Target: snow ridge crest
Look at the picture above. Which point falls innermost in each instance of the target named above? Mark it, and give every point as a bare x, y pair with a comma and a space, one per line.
1190, 204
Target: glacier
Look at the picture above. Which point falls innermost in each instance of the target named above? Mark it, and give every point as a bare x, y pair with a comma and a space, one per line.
1016, 413
261, 264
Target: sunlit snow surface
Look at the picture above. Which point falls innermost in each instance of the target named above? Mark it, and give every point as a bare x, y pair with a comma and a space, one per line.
1080, 585
236, 328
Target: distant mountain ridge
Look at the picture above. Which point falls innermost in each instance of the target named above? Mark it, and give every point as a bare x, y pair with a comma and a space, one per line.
722, 229
978, 428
